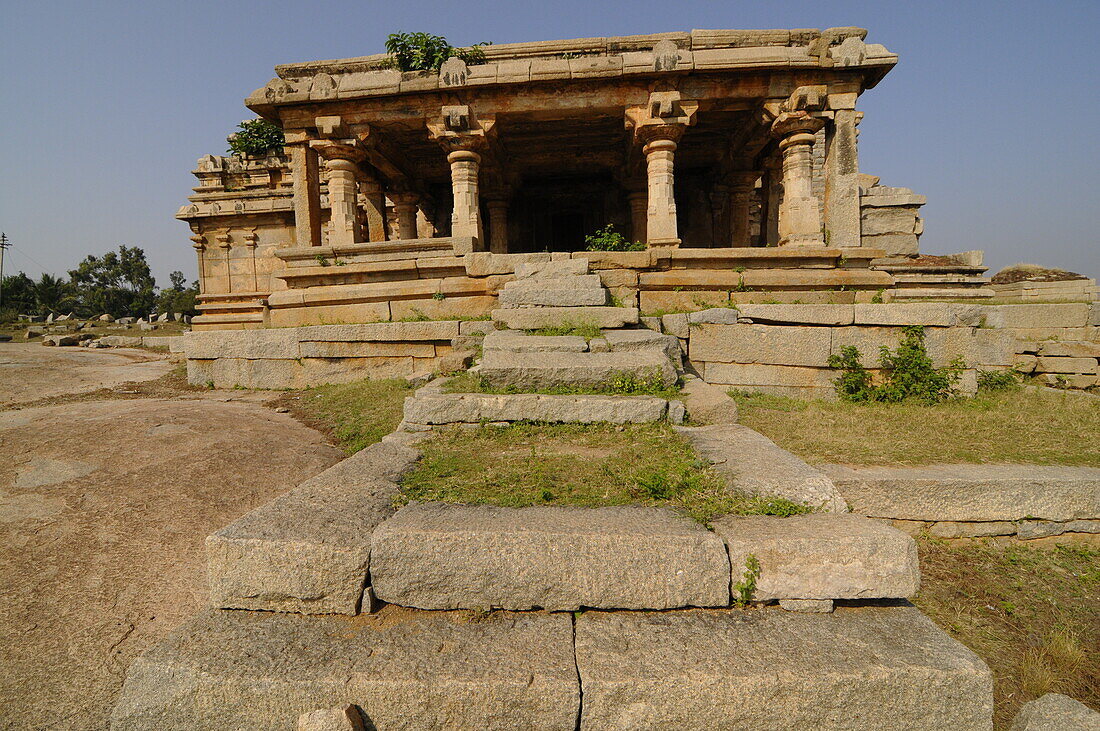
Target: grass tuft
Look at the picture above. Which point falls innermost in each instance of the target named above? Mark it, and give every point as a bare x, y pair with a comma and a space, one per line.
623, 384
355, 414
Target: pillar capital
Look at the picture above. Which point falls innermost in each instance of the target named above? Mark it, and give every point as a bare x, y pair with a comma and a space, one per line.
789, 124
459, 129
333, 150
664, 117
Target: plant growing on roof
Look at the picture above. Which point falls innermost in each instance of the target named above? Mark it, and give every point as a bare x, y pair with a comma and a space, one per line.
256, 137
427, 52
608, 239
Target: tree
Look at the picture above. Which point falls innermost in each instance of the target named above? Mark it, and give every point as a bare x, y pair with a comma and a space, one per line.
18, 293
256, 137
53, 294
179, 297
118, 284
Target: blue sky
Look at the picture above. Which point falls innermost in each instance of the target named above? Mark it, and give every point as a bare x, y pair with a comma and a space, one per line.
992, 112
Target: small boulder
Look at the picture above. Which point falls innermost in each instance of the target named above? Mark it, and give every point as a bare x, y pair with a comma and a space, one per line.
1055, 712
106, 318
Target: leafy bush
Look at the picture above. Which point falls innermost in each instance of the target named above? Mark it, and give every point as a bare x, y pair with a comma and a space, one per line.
608, 239
998, 380
427, 52
256, 137
908, 373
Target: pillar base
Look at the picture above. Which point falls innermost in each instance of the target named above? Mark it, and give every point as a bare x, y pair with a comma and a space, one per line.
663, 243
803, 240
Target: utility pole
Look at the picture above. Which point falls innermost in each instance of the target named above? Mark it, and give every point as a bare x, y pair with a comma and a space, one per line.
4, 244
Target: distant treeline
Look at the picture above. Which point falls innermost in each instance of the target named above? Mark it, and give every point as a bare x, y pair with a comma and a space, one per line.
119, 284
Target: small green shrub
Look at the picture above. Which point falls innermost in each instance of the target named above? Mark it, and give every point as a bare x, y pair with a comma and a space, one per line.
745, 589
256, 137
608, 239
908, 373
427, 52
998, 380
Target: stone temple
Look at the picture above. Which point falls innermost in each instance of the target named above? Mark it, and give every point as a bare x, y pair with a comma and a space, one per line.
725, 151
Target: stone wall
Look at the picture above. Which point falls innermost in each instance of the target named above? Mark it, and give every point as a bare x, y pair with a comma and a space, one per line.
890, 219
1058, 343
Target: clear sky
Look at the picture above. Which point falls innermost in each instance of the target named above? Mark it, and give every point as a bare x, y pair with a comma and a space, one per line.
992, 112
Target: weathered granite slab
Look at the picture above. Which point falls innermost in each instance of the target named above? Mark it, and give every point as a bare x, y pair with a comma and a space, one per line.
884, 668
548, 370
965, 492
403, 669
436, 556
753, 464
1056, 712
472, 408
520, 342
822, 556
533, 318
308, 550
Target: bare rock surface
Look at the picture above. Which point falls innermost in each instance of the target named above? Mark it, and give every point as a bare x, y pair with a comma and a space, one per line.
883, 668
437, 556
103, 510
29, 372
822, 556
756, 465
1056, 712
402, 668
968, 492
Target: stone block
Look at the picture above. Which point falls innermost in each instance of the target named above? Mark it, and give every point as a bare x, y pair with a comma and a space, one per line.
515, 341
792, 380
1024, 363
1038, 316
477, 327
546, 293
810, 606
929, 314
635, 340
1055, 712
308, 550
676, 324
751, 463
354, 349
1069, 349
618, 277
953, 529
714, 316
772, 669
822, 556
484, 263
706, 403
617, 259
473, 408
442, 309
970, 493
1062, 380
660, 301
438, 330
346, 718
436, 556
894, 244
534, 318
534, 371
994, 347
788, 345
889, 220
799, 314
1027, 530
556, 269
257, 670
1052, 364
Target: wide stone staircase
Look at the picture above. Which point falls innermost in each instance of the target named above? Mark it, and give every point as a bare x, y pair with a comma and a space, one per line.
441, 616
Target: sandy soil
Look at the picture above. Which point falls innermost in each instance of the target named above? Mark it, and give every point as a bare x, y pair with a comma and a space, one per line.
104, 506
32, 371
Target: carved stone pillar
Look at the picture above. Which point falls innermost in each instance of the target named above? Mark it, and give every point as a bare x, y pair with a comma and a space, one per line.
498, 225
307, 194
405, 205
466, 214
343, 222
199, 244
638, 214
660, 153
373, 202
740, 204
424, 227
800, 212
842, 214
223, 240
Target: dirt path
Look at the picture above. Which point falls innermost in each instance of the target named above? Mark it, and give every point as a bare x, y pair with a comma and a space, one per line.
32, 371
104, 507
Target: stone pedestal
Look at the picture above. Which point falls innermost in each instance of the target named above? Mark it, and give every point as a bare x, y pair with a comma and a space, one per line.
466, 215
800, 211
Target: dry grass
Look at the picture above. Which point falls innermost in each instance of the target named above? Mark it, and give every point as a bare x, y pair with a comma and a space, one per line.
585, 466
1020, 426
355, 414
1033, 615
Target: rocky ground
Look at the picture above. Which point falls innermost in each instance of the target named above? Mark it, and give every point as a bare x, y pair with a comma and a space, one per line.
105, 502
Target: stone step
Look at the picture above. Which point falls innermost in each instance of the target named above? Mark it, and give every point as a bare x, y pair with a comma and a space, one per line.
534, 371
518, 341
535, 318
574, 291
436, 409
404, 669
437, 556
886, 667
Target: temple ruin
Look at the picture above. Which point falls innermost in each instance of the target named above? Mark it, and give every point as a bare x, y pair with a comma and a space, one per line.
732, 154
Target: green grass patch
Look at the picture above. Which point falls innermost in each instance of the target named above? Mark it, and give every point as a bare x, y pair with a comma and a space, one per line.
1010, 426
624, 384
355, 414
572, 465
1033, 615
587, 332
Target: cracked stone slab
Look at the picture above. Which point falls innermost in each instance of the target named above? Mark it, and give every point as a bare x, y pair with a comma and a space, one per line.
437, 556
753, 464
885, 668
822, 556
403, 669
966, 492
